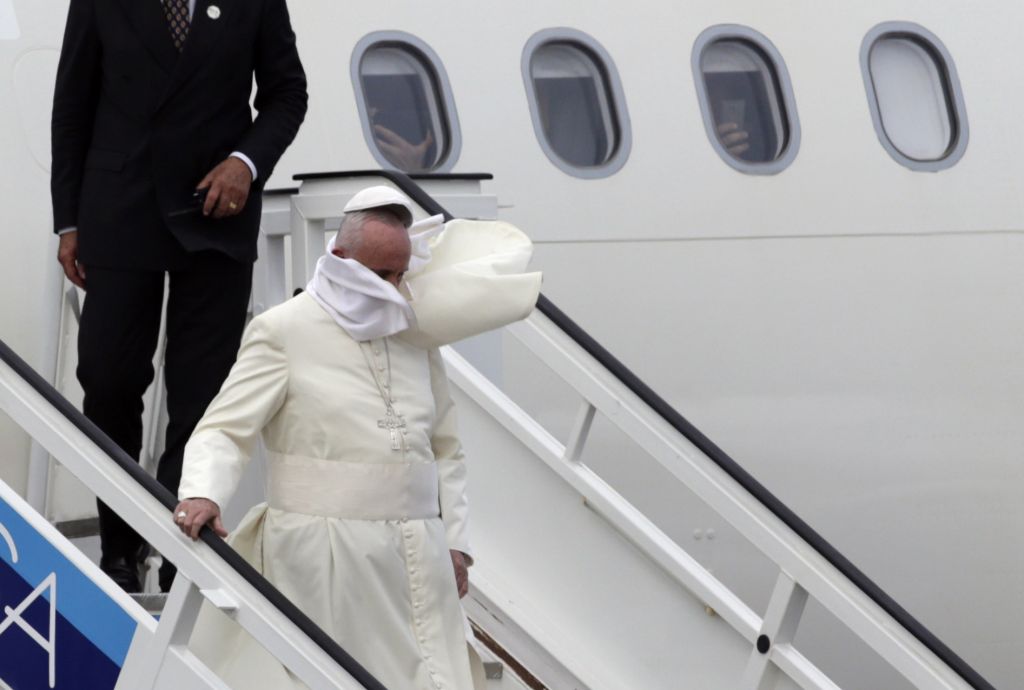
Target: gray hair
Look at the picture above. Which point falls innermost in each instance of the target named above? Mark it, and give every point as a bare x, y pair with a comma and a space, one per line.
350, 234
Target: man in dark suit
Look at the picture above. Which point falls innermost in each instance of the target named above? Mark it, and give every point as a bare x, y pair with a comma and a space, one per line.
152, 103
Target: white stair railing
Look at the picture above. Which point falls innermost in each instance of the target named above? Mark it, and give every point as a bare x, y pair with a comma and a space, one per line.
807, 568
208, 570
803, 572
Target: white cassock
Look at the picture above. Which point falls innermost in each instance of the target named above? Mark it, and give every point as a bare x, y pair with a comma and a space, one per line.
362, 505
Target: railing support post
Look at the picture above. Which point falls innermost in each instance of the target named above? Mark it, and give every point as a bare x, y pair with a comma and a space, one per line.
580, 432
176, 623
778, 628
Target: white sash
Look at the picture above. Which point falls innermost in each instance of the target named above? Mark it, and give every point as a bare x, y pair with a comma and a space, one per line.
352, 490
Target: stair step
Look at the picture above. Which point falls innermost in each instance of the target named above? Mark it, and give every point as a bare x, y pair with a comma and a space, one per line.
153, 602
79, 529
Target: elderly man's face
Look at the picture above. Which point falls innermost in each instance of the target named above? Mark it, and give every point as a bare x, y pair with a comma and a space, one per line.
385, 250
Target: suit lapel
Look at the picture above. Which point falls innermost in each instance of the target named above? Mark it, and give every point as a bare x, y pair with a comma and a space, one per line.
208, 22
147, 17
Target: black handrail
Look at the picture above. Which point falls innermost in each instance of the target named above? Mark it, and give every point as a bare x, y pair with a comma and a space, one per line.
280, 191
717, 455
157, 490
398, 176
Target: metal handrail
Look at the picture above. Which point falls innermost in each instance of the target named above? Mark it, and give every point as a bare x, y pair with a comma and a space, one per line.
219, 546
672, 417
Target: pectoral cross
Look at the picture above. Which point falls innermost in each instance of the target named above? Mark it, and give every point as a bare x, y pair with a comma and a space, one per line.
394, 423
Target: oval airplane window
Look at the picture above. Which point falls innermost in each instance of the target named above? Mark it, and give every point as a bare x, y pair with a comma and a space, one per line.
746, 99
576, 103
405, 104
915, 97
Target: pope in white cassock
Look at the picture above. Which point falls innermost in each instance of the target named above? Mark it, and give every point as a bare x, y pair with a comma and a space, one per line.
365, 523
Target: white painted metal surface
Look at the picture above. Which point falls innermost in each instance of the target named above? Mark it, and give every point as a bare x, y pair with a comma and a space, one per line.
496, 612
808, 571
8, 21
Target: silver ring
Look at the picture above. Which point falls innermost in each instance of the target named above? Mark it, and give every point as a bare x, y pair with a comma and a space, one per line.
182, 515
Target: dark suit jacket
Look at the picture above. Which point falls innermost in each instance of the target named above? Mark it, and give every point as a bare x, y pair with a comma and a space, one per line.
137, 125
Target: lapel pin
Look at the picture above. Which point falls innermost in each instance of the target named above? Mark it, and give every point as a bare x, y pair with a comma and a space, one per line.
213, 12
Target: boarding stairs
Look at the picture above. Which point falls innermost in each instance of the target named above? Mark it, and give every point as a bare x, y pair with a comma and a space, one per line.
75, 628
578, 584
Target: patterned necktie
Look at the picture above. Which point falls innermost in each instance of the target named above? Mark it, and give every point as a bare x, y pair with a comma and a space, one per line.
177, 21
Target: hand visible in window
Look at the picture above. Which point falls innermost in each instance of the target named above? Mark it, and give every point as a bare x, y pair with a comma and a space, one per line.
735, 140
405, 155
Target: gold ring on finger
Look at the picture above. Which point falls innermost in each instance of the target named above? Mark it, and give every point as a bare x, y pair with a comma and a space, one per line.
232, 205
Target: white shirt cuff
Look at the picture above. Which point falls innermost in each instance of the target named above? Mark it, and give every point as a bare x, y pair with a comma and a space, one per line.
245, 159
64, 231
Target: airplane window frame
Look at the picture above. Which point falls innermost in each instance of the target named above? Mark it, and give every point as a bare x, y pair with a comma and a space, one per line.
419, 51
782, 83
618, 113
955, 103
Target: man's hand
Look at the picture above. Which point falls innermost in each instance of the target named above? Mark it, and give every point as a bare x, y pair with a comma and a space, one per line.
229, 186
198, 512
461, 572
735, 140
67, 256
404, 154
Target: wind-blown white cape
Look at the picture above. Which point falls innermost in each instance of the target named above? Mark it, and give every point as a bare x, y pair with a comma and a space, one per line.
355, 533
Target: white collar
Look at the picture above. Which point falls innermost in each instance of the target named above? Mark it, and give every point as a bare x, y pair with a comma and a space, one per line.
360, 301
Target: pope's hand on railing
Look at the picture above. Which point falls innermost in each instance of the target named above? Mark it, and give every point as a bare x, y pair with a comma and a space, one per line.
192, 513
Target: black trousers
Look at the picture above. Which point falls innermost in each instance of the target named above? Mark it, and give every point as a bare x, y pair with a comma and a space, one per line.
117, 339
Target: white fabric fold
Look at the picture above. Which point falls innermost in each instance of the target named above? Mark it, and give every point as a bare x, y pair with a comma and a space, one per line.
352, 490
474, 281
420, 235
359, 300
464, 278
